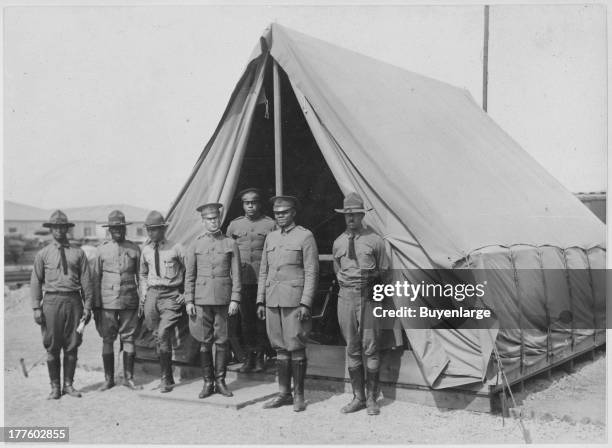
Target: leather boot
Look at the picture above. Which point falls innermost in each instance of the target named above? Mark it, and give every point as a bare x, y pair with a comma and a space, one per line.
54, 376
298, 368
207, 374
70, 360
108, 360
359, 398
249, 363
165, 363
260, 364
284, 396
220, 371
371, 403
128, 371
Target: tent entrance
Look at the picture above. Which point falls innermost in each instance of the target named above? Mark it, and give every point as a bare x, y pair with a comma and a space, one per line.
305, 175
305, 172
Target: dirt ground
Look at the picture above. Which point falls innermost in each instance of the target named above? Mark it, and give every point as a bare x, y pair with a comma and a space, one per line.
570, 408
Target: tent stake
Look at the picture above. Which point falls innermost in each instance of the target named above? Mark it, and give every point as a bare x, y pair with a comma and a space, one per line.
278, 143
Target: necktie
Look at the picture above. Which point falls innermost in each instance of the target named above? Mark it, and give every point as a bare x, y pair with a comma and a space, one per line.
64, 262
351, 248
157, 259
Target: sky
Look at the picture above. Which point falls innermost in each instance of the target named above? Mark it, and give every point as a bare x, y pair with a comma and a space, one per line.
113, 104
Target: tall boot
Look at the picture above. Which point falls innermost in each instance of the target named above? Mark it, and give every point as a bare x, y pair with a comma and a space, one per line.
249, 363
371, 403
207, 375
70, 360
298, 368
284, 396
260, 364
220, 371
108, 360
54, 367
128, 371
165, 363
359, 398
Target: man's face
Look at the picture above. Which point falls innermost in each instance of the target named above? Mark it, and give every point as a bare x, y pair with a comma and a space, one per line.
117, 233
59, 232
285, 218
353, 221
156, 234
212, 223
251, 205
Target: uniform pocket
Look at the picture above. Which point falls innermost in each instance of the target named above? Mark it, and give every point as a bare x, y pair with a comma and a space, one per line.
170, 269
366, 259
292, 255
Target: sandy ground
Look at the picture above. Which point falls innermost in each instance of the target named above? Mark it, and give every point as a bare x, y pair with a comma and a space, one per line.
568, 409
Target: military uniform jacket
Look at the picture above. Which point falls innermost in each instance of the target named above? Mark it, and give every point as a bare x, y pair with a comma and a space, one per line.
171, 266
250, 236
48, 275
371, 264
212, 275
115, 275
289, 272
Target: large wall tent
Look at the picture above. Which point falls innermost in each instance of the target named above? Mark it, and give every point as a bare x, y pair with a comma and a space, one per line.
447, 188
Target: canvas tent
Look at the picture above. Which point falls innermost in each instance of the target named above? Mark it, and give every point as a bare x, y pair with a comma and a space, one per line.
445, 185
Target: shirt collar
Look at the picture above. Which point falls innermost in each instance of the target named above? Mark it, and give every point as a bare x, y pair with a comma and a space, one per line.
289, 228
357, 234
213, 234
58, 244
160, 243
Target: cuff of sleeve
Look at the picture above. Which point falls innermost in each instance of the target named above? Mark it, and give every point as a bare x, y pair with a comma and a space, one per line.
236, 297
307, 306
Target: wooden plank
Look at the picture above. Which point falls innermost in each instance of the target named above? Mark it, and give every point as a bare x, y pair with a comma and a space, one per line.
278, 143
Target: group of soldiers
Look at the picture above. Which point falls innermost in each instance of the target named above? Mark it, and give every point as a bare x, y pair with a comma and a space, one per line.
266, 269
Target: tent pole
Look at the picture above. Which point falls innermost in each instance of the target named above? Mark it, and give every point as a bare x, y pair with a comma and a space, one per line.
485, 60
278, 143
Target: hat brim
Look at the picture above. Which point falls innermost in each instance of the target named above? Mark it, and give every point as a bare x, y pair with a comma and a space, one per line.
346, 211
212, 204
282, 209
155, 225
56, 224
123, 224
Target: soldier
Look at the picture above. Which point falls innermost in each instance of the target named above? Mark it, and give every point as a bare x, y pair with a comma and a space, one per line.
162, 274
359, 260
212, 282
62, 272
250, 232
288, 280
116, 300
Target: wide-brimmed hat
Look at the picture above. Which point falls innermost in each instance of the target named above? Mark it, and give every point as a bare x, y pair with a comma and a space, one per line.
210, 210
155, 219
257, 191
283, 202
352, 204
58, 218
116, 218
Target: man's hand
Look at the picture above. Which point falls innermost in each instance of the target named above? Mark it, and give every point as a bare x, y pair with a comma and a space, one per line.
261, 311
303, 313
86, 316
180, 299
233, 308
39, 317
191, 309
140, 309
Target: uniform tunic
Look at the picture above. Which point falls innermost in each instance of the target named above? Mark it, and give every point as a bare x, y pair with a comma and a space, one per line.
115, 273
65, 294
288, 278
250, 234
212, 280
161, 310
355, 277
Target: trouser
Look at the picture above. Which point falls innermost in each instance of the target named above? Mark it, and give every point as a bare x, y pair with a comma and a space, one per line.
162, 313
254, 332
360, 329
210, 326
288, 335
62, 313
118, 322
